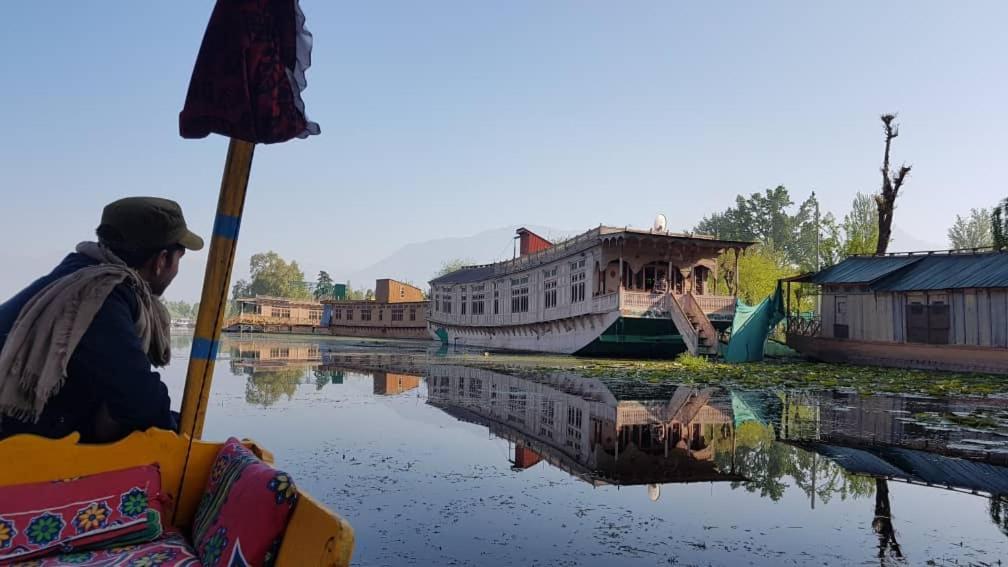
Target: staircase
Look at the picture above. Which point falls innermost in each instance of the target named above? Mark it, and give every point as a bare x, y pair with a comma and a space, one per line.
704, 336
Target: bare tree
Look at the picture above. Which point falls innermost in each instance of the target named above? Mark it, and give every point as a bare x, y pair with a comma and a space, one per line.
891, 184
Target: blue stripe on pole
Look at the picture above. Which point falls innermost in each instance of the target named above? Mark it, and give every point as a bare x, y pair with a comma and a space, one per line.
204, 349
226, 226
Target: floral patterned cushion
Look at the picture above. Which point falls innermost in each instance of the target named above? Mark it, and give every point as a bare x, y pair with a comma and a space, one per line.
104, 509
244, 510
171, 550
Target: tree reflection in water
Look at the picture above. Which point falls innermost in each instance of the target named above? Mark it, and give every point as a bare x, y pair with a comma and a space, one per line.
999, 512
769, 465
265, 387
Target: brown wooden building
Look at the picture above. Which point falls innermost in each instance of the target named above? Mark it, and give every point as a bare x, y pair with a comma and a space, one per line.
398, 311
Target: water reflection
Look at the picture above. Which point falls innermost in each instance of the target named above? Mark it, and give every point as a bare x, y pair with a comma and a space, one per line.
274, 370
830, 446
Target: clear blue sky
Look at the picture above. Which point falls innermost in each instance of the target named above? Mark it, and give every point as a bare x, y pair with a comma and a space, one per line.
444, 118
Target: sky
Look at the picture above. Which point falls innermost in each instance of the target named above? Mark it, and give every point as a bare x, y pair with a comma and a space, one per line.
447, 118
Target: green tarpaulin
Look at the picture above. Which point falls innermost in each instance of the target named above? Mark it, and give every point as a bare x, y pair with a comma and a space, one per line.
751, 327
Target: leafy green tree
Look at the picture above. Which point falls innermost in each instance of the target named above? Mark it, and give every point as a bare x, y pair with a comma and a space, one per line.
449, 266
861, 226
324, 285
999, 225
269, 274
831, 245
369, 295
973, 231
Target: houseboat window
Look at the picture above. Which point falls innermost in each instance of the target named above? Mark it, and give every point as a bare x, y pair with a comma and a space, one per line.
840, 328
546, 414
496, 307
577, 287
365, 314
349, 314
412, 314
550, 273
337, 314
437, 303
520, 299
477, 303
550, 293
397, 314
475, 387
281, 312
315, 315
577, 265
574, 427
380, 313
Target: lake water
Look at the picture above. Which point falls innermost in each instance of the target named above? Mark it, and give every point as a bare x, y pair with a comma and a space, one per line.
436, 461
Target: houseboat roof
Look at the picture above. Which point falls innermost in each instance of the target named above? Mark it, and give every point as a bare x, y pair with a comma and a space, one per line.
918, 271
598, 235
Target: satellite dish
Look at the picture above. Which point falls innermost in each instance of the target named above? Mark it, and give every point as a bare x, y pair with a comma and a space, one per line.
660, 222
653, 491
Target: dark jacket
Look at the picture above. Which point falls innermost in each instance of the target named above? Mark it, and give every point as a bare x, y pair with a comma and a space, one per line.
109, 367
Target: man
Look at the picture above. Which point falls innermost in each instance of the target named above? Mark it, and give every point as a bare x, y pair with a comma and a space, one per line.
77, 345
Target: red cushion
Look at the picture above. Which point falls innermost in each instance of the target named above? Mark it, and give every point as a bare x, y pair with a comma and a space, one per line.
171, 550
244, 511
44, 517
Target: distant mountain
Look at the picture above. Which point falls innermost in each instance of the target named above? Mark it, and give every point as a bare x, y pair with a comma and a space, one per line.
903, 241
418, 262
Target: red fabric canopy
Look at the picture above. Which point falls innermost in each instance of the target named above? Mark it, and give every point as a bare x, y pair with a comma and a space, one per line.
249, 74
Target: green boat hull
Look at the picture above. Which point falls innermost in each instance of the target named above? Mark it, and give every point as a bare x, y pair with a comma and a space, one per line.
637, 338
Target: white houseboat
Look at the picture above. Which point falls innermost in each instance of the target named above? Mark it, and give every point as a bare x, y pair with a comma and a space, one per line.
609, 291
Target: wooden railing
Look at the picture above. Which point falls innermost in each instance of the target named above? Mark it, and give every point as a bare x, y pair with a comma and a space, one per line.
682, 322
717, 307
251, 319
644, 303
804, 326
606, 303
691, 305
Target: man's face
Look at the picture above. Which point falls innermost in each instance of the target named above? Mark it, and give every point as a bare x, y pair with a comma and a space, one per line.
165, 268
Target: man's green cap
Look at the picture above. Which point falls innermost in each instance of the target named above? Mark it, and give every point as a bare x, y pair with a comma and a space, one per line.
147, 223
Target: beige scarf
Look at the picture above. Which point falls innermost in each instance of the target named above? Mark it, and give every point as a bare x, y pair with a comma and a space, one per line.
34, 359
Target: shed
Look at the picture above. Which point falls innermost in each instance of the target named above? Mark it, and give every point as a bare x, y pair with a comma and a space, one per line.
950, 299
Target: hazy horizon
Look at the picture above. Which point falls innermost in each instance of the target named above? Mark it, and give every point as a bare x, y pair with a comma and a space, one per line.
451, 118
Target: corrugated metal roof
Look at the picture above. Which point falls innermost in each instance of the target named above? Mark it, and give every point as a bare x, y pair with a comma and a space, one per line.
863, 269
951, 271
468, 274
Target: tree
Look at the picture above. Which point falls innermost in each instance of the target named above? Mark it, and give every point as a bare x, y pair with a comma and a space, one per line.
891, 184
974, 231
861, 226
324, 285
831, 246
450, 266
269, 274
369, 295
999, 225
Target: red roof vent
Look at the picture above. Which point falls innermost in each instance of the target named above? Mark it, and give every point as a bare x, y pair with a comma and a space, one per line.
530, 242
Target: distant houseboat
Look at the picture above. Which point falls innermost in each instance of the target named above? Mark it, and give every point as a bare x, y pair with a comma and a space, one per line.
268, 314
609, 291
398, 311
943, 311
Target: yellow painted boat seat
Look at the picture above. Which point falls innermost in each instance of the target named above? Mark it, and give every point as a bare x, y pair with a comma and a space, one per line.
314, 535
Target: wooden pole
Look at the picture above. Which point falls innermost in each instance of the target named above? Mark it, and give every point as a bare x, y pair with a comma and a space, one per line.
213, 302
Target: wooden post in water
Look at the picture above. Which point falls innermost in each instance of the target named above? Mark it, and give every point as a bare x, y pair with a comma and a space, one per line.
213, 302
